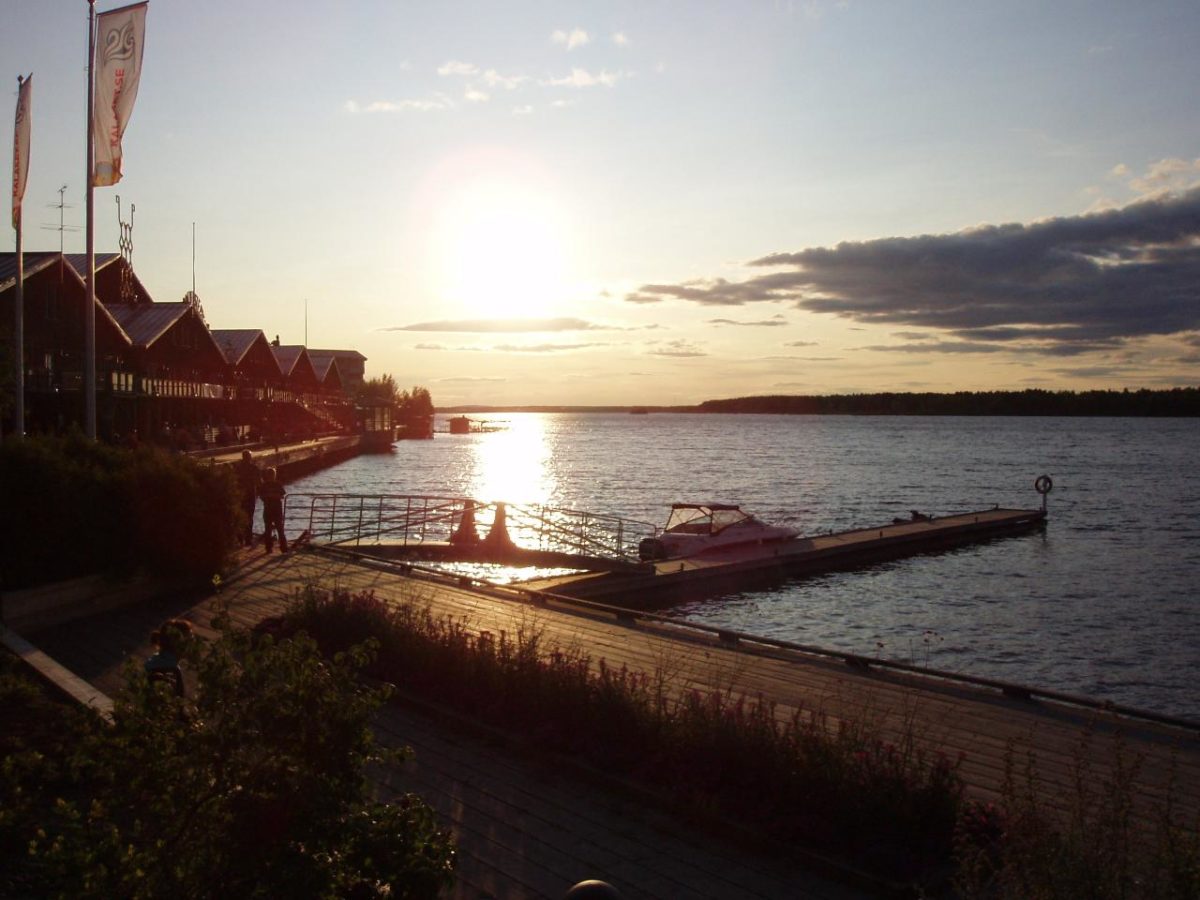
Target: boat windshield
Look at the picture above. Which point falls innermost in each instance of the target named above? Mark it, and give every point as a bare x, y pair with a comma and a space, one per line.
703, 519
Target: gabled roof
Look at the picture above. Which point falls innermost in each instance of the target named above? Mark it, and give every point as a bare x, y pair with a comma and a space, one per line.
38, 262
78, 261
326, 367
235, 343
321, 361
350, 354
288, 356
145, 323
34, 263
297, 367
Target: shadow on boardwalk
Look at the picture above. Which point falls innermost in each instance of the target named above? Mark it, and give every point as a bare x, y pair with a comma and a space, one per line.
525, 827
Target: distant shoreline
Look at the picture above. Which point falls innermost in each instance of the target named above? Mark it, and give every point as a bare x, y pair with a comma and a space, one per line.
1171, 403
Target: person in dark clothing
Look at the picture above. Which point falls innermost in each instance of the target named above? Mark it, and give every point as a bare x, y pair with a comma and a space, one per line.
248, 478
169, 641
272, 493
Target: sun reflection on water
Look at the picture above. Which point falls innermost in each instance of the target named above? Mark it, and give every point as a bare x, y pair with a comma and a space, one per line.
514, 464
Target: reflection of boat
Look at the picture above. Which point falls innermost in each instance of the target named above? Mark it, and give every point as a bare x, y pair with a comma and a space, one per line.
695, 528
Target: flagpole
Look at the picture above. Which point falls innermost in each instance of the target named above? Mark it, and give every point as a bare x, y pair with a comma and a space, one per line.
89, 314
19, 320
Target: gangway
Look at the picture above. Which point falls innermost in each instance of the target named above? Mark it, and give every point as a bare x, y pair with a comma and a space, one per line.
467, 530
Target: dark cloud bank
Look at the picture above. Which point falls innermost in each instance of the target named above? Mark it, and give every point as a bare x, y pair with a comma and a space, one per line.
1062, 286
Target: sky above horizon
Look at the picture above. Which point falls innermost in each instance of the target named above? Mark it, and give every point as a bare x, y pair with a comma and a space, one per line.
657, 202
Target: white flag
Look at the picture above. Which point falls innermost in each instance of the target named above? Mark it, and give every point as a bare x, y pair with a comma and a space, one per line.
21, 147
118, 69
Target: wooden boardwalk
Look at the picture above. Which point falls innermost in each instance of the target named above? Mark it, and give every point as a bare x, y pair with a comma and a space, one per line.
513, 816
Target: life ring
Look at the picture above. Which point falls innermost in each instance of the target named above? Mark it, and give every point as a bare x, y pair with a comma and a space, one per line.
1043, 485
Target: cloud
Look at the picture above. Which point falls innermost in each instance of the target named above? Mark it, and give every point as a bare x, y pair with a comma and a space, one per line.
1062, 285
494, 79
772, 322
576, 37
544, 348
439, 101
525, 110
1167, 175
472, 379
800, 344
582, 78
620, 39
474, 95
502, 326
678, 349
455, 67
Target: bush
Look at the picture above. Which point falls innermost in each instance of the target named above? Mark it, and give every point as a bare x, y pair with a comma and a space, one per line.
890, 808
75, 507
254, 788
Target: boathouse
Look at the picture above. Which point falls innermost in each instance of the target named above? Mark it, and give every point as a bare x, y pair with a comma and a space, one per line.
161, 373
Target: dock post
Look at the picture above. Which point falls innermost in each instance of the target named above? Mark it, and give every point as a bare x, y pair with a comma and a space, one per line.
497, 538
466, 533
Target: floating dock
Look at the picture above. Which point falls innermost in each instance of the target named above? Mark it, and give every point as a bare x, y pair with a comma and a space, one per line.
654, 585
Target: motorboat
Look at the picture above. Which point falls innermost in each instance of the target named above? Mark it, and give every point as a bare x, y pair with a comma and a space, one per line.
695, 528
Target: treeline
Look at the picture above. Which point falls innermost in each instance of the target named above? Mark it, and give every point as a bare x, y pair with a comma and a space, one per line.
1144, 402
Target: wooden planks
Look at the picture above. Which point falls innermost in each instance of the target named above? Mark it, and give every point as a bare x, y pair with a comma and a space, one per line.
503, 831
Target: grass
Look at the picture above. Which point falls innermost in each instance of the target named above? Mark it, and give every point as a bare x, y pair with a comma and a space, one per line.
888, 807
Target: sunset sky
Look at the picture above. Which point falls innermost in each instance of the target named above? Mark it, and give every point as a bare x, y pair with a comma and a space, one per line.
657, 202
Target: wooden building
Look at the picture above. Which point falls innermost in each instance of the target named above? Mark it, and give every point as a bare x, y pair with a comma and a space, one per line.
161, 373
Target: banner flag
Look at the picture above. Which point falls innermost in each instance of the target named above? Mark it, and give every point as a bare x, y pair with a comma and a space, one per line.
118, 66
21, 147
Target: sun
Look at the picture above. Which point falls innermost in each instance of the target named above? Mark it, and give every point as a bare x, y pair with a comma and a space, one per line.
501, 248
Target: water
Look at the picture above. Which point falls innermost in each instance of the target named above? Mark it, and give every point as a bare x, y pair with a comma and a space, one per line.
1103, 604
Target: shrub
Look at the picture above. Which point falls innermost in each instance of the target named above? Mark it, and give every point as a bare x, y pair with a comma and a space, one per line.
254, 787
75, 507
889, 807
1094, 845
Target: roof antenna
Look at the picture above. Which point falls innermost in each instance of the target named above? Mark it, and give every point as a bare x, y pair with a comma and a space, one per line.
62, 226
193, 257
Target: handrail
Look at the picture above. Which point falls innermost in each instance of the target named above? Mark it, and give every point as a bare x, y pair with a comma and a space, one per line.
760, 645
416, 519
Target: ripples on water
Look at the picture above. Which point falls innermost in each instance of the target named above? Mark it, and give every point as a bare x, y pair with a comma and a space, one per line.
1103, 604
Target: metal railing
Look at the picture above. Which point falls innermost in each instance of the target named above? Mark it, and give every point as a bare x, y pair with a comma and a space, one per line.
761, 645
356, 519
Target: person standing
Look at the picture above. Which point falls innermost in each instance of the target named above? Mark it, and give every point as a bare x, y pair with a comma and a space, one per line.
272, 493
248, 478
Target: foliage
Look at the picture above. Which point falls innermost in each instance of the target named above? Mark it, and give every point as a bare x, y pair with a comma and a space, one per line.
76, 507
889, 807
1095, 846
382, 388
253, 787
416, 403
1031, 402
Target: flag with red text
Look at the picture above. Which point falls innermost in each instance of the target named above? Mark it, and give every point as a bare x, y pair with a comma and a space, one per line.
118, 69
21, 147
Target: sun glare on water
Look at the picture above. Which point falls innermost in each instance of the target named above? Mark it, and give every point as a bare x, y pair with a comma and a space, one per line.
513, 465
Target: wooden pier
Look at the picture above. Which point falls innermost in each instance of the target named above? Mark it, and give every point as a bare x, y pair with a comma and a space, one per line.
519, 835
653, 585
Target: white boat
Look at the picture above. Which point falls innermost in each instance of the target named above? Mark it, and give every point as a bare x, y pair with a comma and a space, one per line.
695, 528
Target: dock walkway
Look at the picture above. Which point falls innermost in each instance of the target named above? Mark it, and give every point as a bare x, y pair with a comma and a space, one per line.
514, 839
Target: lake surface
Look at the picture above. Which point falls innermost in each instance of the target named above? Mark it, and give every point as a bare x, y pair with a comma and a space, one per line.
1103, 604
